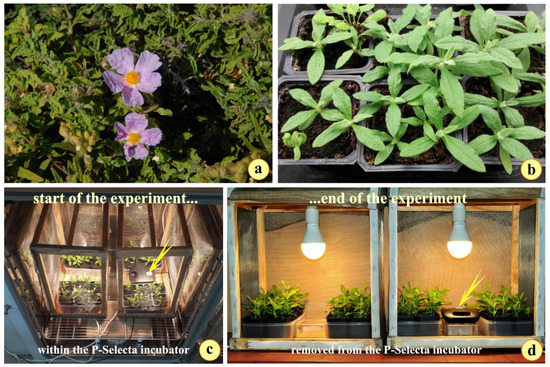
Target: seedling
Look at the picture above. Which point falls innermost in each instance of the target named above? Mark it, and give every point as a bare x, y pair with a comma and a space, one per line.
295, 141
352, 303
276, 304
502, 304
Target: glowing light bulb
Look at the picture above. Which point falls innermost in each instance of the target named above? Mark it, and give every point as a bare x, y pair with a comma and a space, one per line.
460, 243
459, 249
313, 243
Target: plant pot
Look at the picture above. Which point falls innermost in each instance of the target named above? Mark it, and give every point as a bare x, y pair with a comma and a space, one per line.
88, 303
505, 327
289, 58
408, 327
148, 303
349, 329
253, 329
448, 164
348, 159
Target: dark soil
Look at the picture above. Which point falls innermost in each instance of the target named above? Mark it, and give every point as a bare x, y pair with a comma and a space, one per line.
148, 300
538, 61
533, 116
332, 52
436, 155
338, 148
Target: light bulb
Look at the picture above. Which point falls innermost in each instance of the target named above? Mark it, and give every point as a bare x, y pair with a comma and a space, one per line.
459, 249
313, 243
313, 251
460, 243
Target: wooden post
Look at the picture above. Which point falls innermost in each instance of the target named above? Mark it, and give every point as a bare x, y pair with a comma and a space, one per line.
375, 278
233, 269
392, 291
514, 250
260, 230
539, 268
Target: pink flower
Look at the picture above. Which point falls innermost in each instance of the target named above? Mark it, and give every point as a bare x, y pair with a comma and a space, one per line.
131, 80
136, 136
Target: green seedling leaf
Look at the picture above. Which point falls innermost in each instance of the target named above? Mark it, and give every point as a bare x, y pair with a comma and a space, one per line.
483, 143
383, 154
368, 96
316, 66
414, 92
402, 58
521, 40
458, 43
375, 74
506, 81
415, 37
328, 91
452, 92
476, 26
336, 37
505, 21
535, 100
342, 102
333, 131
343, 59
417, 147
368, 137
513, 117
526, 133
302, 119
394, 81
295, 141
464, 153
332, 115
505, 159
506, 56
475, 99
382, 51
303, 97
393, 119
516, 148
296, 43
460, 122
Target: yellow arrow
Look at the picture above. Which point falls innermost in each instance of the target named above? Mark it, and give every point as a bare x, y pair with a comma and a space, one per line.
155, 264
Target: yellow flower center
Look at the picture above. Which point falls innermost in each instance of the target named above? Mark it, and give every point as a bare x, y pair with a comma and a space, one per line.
133, 138
132, 78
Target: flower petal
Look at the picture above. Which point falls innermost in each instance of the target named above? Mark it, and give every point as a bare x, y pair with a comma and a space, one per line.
132, 97
129, 151
122, 60
135, 122
149, 82
114, 81
141, 152
122, 132
148, 62
151, 137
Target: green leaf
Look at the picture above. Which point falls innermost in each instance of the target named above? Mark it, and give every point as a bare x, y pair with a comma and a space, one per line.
491, 118
460, 122
464, 153
332, 115
473, 99
414, 92
375, 74
382, 51
318, 28
537, 99
412, 121
336, 37
394, 81
343, 59
505, 160
417, 147
376, 16
302, 118
513, 117
452, 92
516, 148
164, 111
296, 43
433, 110
368, 96
425, 60
342, 102
295, 141
402, 58
429, 132
393, 119
368, 137
28, 175
505, 21
65, 146
476, 27
328, 91
526, 133
483, 143
488, 24
303, 97
425, 76
506, 56
506, 81
383, 154
415, 37
406, 17
458, 43
334, 131
521, 40
316, 66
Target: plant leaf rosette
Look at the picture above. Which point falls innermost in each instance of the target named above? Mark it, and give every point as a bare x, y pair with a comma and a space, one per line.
302, 82
289, 59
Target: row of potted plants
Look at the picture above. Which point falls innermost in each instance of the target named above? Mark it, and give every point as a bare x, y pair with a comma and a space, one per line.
275, 313
465, 87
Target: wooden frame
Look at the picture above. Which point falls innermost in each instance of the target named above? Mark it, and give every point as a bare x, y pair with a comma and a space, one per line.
287, 201
181, 251
500, 204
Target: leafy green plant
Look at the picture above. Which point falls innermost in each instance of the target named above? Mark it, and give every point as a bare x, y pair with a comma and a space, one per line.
295, 141
148, 260
276, 304
410, 300
434, 300
353, 303
216, 91
502, 304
